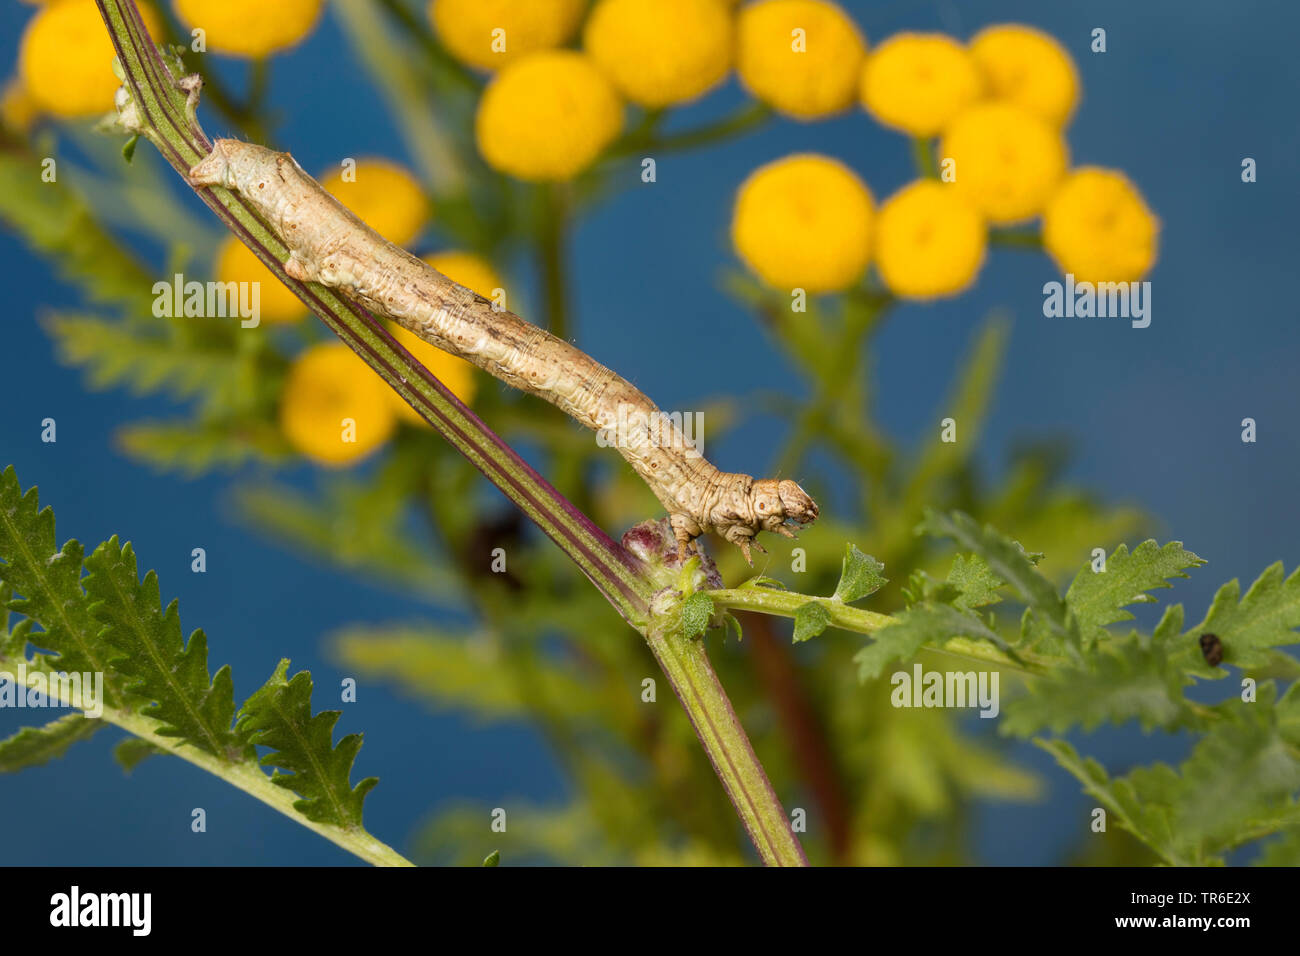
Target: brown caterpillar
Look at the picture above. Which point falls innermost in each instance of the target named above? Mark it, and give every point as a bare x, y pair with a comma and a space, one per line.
329, 245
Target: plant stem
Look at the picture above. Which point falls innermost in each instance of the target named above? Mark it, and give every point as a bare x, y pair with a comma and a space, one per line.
414, 27
750, 116
552, 253
161, 109
786, 603
923, 156
687, 666
1030, 239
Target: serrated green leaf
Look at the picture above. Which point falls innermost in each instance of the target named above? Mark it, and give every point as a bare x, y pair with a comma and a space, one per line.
696, 613
860, 576
133, 751
148, 648
49, 580
1098, 599
1125, 680
361, 526
1146, 815
1240, 778
493, 858
183, 358
1249, 627
974, 582
278, 715
33, 746
464, 671
914, 628
810, 620
194, 446
1005, 558
56, 222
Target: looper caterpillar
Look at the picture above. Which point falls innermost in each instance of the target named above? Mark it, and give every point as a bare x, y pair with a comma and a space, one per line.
329, 245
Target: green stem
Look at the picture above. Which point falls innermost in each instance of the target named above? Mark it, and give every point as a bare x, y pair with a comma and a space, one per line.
416, 28
245, 775
687, 666
161, 111
552, 253
1030, 239
749, 117
923, 156
786, 603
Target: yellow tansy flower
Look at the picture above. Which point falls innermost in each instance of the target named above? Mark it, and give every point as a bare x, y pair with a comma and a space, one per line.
929, 241
1098, 227
250, 28
1028, 67
917, 82
802, 57
660, 52
18, 110
473, 272
66, 58
804, 222
490, 33
236, 263
384, 196
547, 116
1007, 160
335, 408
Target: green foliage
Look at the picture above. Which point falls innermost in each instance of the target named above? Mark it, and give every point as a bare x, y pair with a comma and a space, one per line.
1242, 780
278, 715
33, 746
1265, 618
1098, 600
696, 613
810, 620
97, 615
861, 576
884, 786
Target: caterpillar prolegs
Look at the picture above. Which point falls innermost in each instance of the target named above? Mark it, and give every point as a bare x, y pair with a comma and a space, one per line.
331, 246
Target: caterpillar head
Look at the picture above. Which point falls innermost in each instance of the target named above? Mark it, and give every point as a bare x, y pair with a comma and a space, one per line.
779, 503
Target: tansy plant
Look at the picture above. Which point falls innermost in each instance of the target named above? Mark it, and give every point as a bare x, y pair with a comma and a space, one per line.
520, 117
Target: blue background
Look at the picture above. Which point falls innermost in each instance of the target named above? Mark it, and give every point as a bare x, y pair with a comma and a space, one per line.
1185, 91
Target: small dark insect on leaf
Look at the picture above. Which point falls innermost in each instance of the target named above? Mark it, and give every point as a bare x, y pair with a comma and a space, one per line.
1212, 649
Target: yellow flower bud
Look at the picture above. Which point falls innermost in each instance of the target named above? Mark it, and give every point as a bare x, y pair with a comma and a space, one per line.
661, 52
917, 82
1007, 161
66, 58
1029, 68
802, 57
335, 409
490, 33
929, 241
384, 196
547, 116
804, 222
250, 28
1098, 228
236, 263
